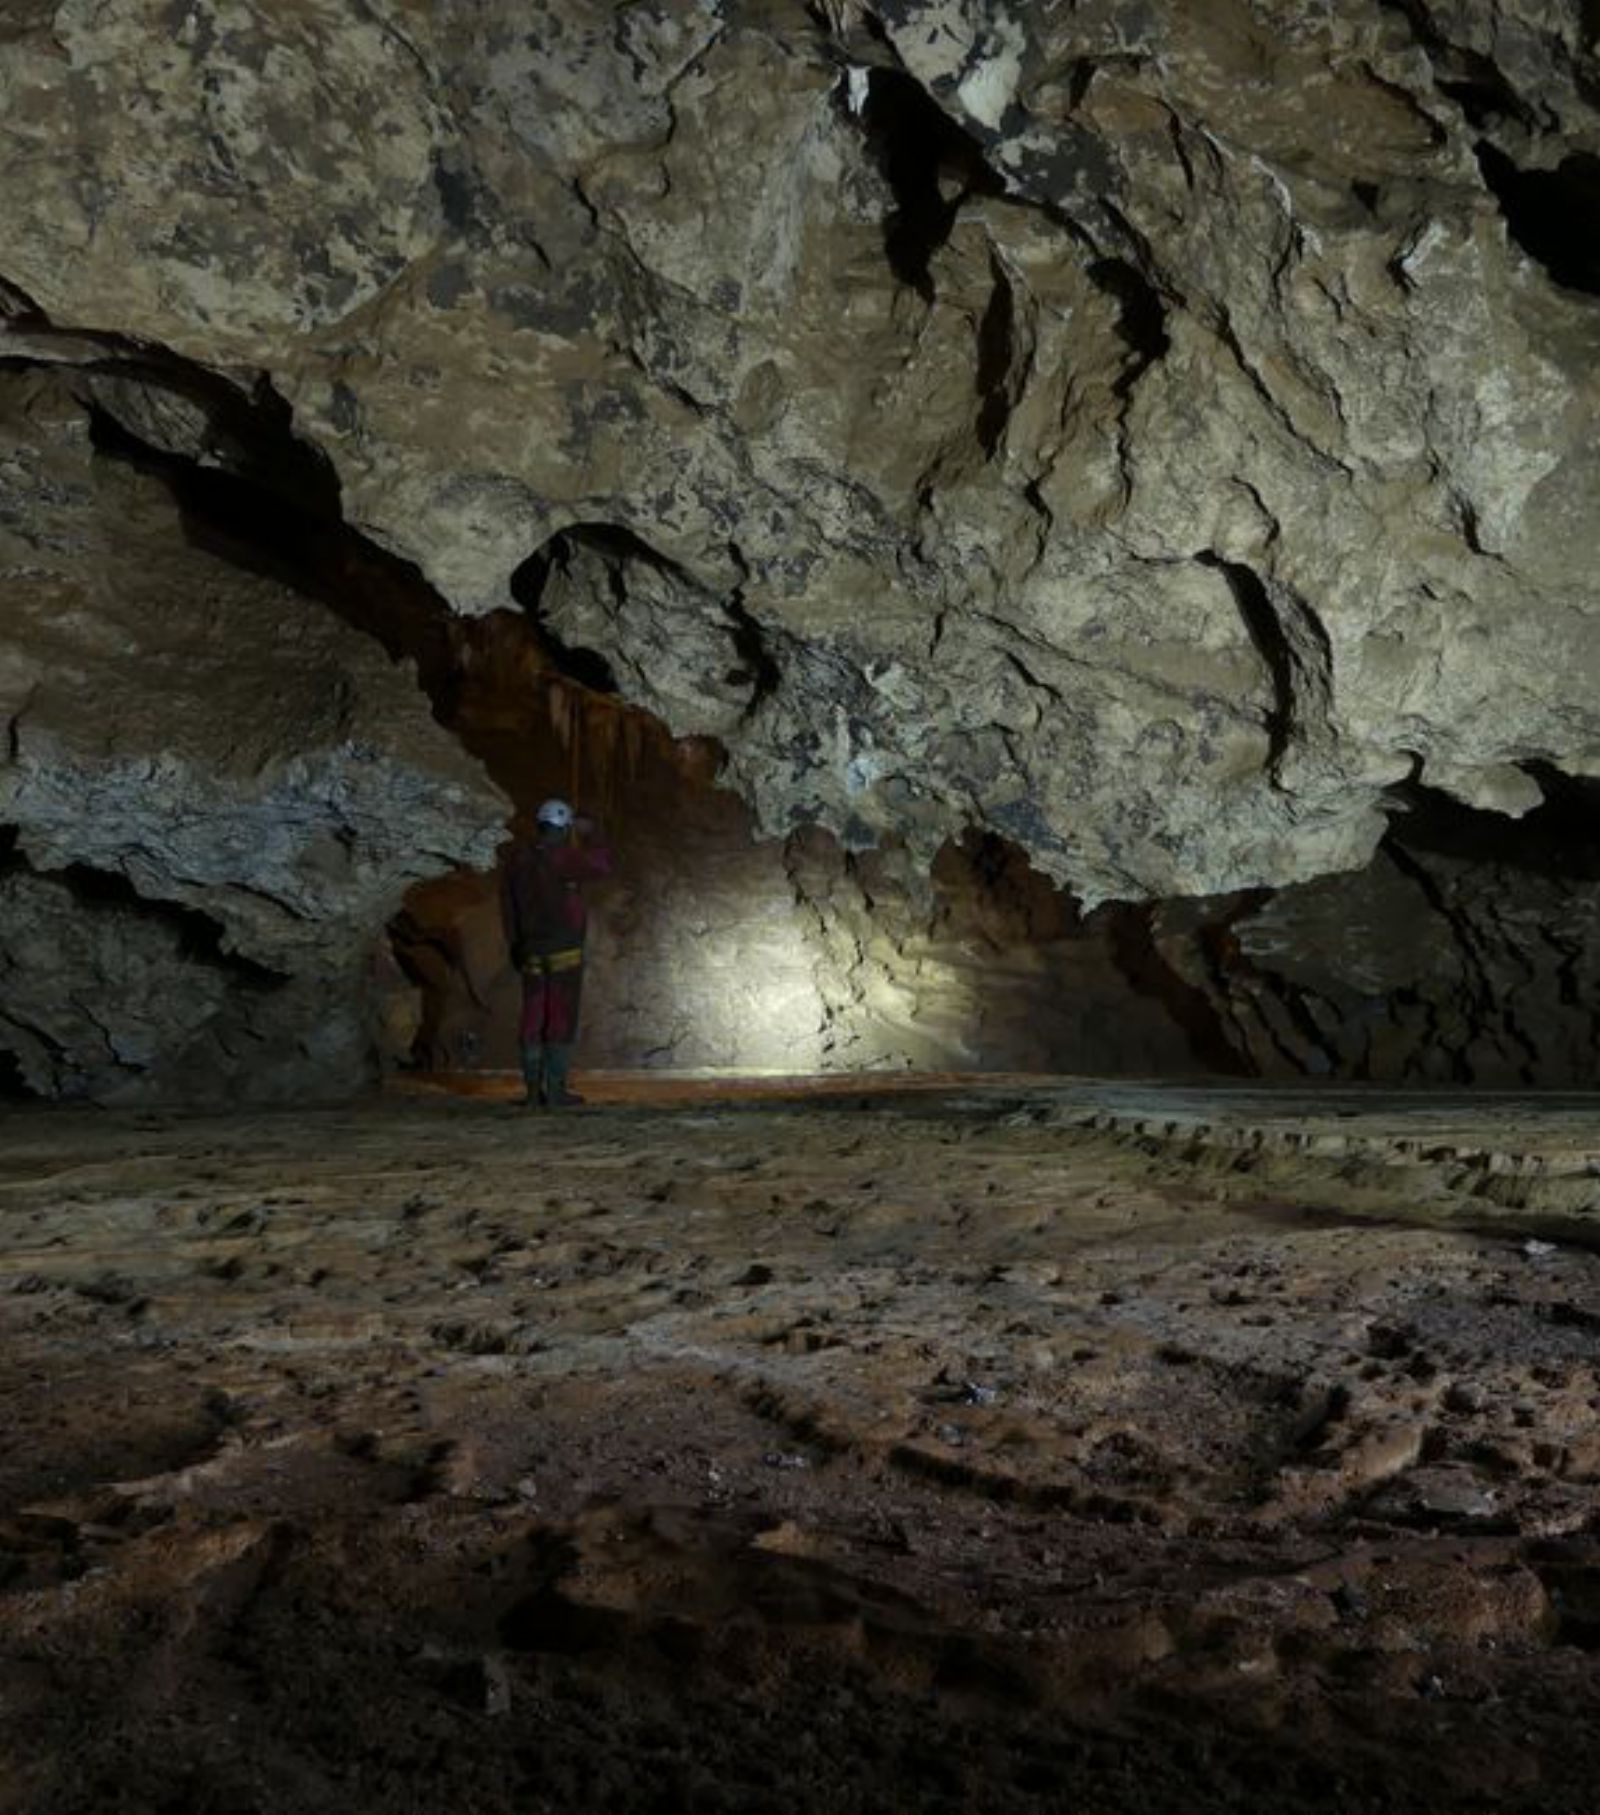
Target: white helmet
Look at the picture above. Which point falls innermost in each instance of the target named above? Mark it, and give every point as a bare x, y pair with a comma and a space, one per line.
555, 813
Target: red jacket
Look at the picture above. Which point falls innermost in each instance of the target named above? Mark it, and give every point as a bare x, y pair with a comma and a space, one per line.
542, 894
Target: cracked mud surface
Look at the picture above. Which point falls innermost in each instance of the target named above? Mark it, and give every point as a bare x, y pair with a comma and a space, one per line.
918, 1451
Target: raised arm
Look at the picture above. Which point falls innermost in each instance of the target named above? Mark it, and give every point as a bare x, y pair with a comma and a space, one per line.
595, 853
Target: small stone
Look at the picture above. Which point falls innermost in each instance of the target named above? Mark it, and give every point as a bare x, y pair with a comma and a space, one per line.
496, 1686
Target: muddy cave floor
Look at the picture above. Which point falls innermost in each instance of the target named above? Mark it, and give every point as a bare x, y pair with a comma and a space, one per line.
1000, 1446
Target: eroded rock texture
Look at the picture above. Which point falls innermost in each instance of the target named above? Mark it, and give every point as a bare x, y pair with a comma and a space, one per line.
1147, 432
710, 950
1461, 954
1152, 435
1466, 951
211, 791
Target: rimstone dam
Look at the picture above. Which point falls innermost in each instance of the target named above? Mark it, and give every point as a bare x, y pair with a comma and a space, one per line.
799, 906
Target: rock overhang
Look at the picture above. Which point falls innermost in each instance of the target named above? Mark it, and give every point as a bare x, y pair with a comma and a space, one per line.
1146, 432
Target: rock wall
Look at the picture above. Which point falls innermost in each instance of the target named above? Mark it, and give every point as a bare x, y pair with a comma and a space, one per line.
1467, 951
711, 949
212, 793
1133, 448
215, 790
1148, 433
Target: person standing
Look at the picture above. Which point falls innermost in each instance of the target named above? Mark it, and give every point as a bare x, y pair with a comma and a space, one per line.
546, 919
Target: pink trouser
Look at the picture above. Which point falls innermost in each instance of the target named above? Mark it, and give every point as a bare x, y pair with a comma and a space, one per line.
552, 990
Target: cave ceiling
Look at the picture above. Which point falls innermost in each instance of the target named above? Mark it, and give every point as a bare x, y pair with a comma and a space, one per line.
1149, 432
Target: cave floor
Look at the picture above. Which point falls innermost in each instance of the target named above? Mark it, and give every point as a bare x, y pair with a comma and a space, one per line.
959, 1446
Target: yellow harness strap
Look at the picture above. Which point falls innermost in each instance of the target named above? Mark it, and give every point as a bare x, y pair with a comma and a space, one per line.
546, 964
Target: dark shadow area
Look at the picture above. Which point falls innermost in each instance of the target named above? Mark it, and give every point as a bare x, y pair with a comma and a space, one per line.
1002, 870
16, 305
13, 1086
1480, 89
1558, 840
614, 548
996, 352
1141, 318
1266, 633
931, 167
298, 538
1553, 215
758, 668
200, 939
1477, 84
248, 436
1150, 973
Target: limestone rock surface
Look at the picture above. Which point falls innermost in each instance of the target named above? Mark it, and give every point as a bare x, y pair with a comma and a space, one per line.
1146, 432
1465, 952
212, 792
709, 950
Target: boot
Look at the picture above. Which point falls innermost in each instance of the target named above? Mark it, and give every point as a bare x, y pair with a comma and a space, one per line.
557, 1061
533, 1074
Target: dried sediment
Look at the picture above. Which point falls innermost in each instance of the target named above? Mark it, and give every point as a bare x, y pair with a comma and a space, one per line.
790, 1449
